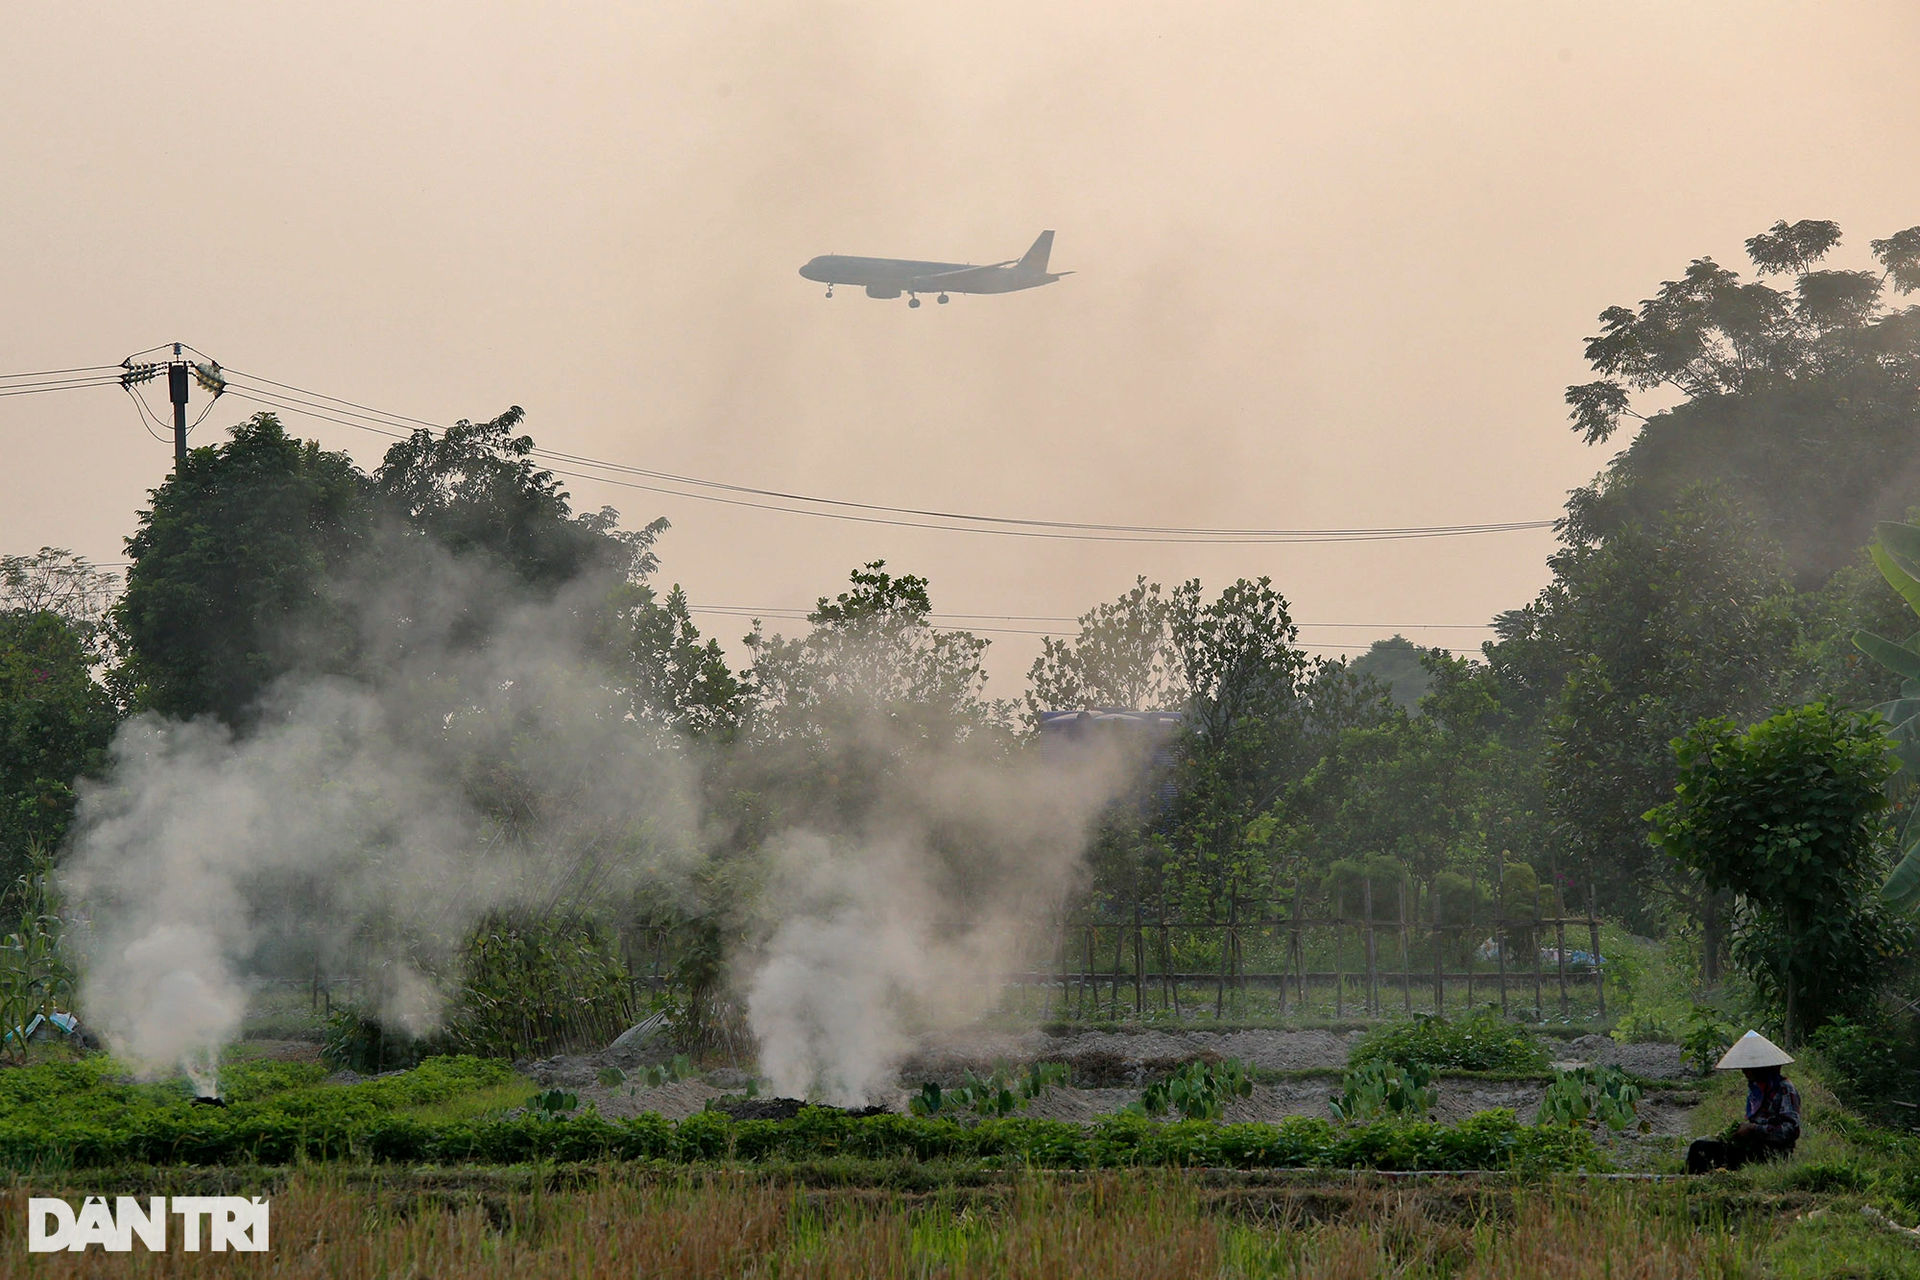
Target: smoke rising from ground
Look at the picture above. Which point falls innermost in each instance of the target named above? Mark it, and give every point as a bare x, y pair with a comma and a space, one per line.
372, 822
911, 918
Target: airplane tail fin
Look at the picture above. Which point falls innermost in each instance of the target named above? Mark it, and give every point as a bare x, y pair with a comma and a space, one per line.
1036, 257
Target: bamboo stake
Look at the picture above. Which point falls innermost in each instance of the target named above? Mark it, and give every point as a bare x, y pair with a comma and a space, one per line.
1593, 931
1500, 930
1406, 978
1373, 990
1473, 931
1439, 952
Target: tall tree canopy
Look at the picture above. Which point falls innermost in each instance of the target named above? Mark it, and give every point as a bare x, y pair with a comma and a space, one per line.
1800, 393
232, 566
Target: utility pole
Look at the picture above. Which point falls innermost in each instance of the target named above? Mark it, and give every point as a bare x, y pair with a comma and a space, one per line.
177, 392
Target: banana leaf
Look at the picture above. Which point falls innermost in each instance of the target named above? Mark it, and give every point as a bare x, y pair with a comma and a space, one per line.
1897, 575
1902, 889
1902, 541
1898, 659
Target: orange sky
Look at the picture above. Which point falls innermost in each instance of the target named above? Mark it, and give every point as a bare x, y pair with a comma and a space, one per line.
1335, 261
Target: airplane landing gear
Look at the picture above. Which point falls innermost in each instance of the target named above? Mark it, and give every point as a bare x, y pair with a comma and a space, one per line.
943, 299
913, 302
829, 291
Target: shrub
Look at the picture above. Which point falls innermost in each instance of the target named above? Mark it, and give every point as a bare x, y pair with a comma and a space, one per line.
1790, 815
1345, 886
532, 987
1706, 1038
358, 1041
1379, 1090
347, 1123
1479, 1041
1866, 1062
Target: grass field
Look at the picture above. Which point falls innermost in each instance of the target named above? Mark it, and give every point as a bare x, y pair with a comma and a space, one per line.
854, 1210
621, 1222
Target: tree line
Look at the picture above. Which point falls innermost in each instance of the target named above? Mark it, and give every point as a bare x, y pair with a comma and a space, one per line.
1714, 573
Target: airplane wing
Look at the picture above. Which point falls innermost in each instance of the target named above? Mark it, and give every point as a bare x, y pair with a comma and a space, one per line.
945, 278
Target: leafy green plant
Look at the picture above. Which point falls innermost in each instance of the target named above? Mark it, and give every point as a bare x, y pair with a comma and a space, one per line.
1705, 1038
1378, 1089
1592, 1096
1788, 815
355, 1040
35, 978
530, 987
1896, 552
611, 1077
1865, 1061
554, 1103
681, 1068
1479, 1041
1198, 1091
1000, 1093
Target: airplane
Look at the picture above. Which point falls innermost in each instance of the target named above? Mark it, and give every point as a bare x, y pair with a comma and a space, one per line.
890, 277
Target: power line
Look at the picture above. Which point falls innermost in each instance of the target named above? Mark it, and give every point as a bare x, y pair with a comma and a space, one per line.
74, 384
353, 414
48, 373
783, 611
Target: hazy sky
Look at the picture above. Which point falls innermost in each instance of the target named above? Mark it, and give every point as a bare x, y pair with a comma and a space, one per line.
1336, 261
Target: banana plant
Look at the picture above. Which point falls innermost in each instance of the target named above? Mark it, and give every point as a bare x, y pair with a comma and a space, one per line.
1896, 550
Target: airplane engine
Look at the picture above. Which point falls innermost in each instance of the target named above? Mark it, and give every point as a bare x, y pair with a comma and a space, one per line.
878, 291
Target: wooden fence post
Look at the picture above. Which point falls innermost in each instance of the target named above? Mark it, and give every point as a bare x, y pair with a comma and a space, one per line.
1500, 930
1299, 947
1439, 957
1373, 978
1539, 1001
1406, 963
1139, 966
1473, 930
1593, 932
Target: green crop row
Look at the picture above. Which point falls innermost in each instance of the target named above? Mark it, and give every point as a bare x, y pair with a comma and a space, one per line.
267, 1134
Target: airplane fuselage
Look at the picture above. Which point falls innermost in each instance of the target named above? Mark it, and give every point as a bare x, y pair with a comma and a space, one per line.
891, 277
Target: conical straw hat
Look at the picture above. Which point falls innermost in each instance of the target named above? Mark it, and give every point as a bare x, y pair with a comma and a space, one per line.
1754, 1050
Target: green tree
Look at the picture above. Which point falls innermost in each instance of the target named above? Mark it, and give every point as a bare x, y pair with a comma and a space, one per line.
1397, 665
233, 565
474, 489
873, 659
1668, 620
56, 721
1789, 816
1122, 657
1802, 399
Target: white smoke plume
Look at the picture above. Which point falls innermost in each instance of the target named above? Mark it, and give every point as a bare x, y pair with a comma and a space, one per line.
344, 821
911, 918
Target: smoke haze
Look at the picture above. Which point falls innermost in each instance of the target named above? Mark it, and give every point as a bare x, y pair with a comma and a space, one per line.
1336, 262
374, 822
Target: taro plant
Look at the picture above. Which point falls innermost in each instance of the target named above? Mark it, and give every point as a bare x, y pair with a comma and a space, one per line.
1592, 1096
681, 1068
1378, 1089
1197, 1091
1000, 1093
554, 1104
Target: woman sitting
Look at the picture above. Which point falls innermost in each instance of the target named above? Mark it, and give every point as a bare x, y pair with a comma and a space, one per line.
1772, 1125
